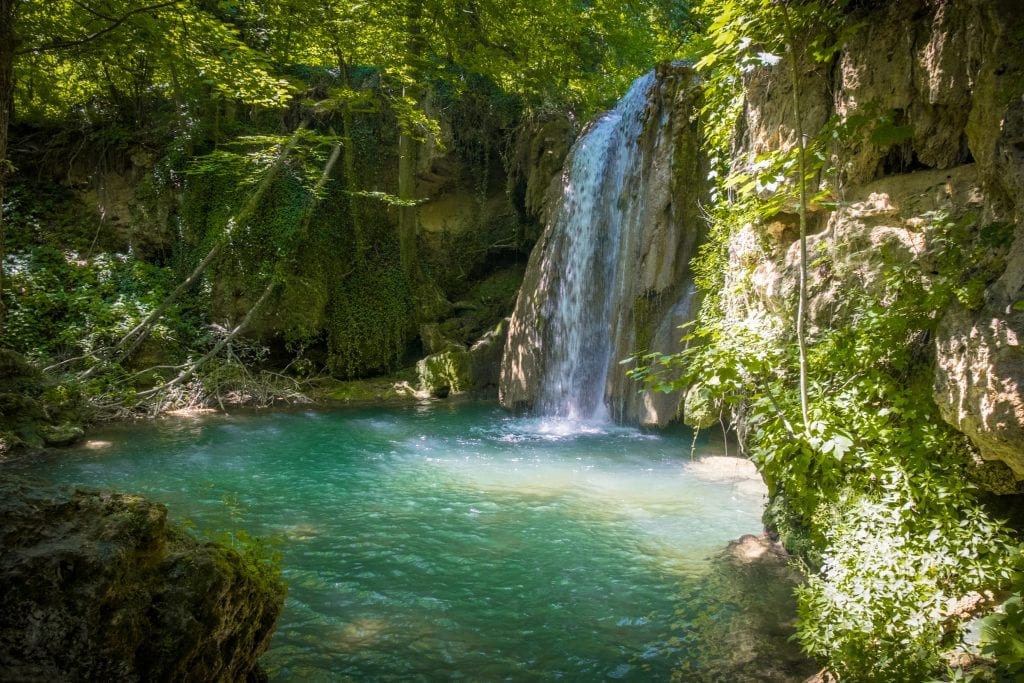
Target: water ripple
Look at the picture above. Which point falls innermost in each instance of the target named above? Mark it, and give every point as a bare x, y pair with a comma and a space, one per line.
421, 544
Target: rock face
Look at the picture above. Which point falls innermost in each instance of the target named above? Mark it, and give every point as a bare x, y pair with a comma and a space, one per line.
940, 87
98, 586
610, 276
979, 380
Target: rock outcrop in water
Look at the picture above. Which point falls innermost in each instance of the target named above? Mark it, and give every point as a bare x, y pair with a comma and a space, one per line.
98, 586
610, 275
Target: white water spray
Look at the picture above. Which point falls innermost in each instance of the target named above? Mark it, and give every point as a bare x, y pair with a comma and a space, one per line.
586, 235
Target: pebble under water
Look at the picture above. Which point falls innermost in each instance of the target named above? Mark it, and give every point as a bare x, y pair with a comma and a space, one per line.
456, 542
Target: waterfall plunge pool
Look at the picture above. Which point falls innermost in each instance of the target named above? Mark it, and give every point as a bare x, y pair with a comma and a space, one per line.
453, 541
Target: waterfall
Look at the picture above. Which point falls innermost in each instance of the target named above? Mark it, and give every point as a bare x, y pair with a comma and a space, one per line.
586, 240
611, 271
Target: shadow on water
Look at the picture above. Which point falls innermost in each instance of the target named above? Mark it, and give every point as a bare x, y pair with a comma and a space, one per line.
737, 622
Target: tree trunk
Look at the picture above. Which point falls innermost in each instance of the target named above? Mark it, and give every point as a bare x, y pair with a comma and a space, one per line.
407, 212
407, 147
351, 179
8, 45
801, 309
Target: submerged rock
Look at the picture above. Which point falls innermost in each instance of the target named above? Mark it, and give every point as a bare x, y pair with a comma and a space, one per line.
99, 586
746, 635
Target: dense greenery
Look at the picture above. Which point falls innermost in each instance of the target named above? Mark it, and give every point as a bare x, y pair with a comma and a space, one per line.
868, 483
214, 92
245, 105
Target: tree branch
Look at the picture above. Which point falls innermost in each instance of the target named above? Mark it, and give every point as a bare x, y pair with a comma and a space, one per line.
94, 12
115, 22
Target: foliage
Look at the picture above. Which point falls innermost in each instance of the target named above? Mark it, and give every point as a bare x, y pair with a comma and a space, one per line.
877, 484
260, 558
1002, 637
879, 608
552, 54
61, 305
71, 59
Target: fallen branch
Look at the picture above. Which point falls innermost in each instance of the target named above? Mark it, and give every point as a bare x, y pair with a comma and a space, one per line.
188, 372
131, 341
191, 370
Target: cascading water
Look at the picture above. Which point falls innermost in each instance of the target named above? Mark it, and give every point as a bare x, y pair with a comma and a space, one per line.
610, 275
587, 234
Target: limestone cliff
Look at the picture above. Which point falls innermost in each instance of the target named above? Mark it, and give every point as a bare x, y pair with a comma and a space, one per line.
99, 586
948, 77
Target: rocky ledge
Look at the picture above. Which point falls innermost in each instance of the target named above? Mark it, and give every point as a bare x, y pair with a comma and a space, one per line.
100, 586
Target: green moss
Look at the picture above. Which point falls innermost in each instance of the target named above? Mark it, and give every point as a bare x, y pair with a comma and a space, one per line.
645, 307
373, 391
446, 373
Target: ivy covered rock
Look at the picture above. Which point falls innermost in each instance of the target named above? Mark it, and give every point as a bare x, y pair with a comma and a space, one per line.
21, 411
99, 586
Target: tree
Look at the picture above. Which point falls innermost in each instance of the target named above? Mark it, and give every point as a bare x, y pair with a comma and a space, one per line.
56, 46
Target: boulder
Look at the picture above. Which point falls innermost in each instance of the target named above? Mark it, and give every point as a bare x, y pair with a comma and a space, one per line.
99, 586
63, 434
448, 372
458, 370
979, 381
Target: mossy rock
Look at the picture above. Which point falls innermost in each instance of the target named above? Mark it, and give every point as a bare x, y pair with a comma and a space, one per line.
60, 435
100, 586
450, 372
459, 371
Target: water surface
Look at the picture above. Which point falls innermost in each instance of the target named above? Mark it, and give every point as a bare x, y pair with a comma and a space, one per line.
453, 542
